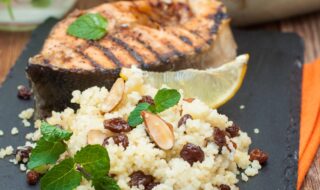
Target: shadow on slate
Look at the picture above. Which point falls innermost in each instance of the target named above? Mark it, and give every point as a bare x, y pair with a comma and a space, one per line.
270, 93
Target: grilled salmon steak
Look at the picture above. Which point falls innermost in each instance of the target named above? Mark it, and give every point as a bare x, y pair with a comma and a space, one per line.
151, 34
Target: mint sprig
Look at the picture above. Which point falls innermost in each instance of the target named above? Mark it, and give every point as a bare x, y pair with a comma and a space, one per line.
89, 26
163, 100
105, 183
94, 160
91, 162
53, 133
166, 98
135, 116
62, 176
46, 153
50, 146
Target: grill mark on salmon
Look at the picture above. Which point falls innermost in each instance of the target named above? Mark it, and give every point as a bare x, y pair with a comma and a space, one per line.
159, 57
138, 39
93, 63
186, 40
108, 53
217, 18
131, 51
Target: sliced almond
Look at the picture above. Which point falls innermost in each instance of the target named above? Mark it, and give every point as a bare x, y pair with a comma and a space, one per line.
189, 100
115, 96
159, 130
97, 136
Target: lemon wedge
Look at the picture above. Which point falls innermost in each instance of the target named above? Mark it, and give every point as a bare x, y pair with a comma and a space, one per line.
213, 86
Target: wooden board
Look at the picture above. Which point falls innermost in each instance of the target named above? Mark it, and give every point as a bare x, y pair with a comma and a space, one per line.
271, 94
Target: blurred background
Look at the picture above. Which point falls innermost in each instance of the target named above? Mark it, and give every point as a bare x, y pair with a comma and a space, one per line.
19, 17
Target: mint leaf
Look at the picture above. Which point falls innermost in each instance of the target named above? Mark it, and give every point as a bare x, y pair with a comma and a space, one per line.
53, 133
89, 26
105, 183
94, 159
62, 176
135, 116
41, 3
46, 153
165, 98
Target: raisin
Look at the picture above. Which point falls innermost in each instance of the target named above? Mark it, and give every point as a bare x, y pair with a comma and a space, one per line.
219, 137
23, 153
151, 185
117, 125
24, 93
192, 153
32, 177
120, 139
147, 99
139, 178
259, 155
184, 119
233, 130
224, 187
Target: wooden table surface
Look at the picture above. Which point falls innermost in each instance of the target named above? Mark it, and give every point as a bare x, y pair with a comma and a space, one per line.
307, 26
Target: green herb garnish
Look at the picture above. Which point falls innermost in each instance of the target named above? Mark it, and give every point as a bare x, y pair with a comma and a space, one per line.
94, 160
49, 147
91, 162
53, 133
135, 116
164, 99
105, 183
89, 26
62, 176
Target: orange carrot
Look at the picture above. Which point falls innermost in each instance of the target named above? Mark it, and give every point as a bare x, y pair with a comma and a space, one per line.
310, 118
310, 102
306, 159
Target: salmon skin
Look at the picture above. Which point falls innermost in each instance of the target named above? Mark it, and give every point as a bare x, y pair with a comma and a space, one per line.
153, 35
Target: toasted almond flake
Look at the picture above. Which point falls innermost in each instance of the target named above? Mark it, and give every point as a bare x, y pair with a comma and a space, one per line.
189, 100
115, 96
97, 136
159, 130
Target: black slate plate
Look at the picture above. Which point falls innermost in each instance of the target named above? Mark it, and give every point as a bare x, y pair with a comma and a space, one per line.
270, 93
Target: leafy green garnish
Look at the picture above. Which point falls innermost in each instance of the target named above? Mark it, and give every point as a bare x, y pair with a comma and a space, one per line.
105, 183
62, 176
53, 133
91, 162
89, 26
46, 153
41, 3
49, 147
94, 160
135, 116
164, 99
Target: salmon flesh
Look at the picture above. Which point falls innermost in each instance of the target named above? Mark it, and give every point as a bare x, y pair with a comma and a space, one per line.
153, 35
